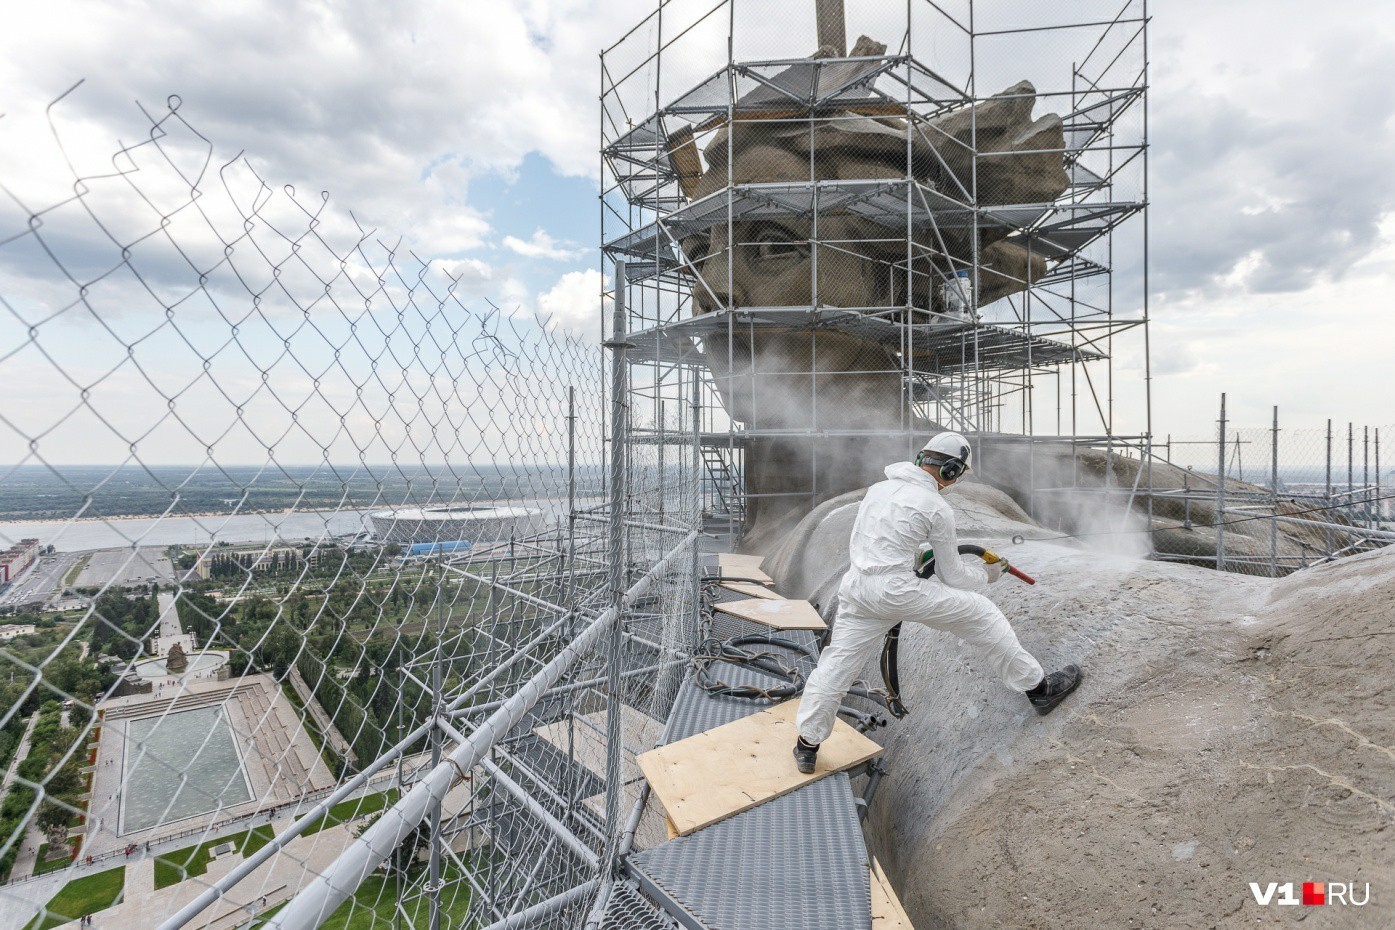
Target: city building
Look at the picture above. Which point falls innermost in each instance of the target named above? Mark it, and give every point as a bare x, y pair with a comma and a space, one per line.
14, 560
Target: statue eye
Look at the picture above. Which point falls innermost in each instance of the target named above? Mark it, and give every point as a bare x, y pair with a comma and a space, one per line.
776, 243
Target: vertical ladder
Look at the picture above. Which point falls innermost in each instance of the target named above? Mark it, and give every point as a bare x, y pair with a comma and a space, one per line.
725, 484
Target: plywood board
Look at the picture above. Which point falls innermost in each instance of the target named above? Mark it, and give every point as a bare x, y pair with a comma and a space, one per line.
887, 912
734, 560
781, 614
743, 573
717, 774
751, 590
639, 731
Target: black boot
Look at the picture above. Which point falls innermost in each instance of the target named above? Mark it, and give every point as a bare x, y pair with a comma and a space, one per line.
804, 756
1054, 688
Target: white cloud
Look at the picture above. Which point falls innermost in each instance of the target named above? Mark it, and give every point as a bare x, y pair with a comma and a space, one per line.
471, 275
574, 303
541, 245
1269, 170
394, 109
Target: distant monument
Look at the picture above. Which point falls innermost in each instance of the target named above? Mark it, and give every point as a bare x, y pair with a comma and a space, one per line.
176, 661
58, 847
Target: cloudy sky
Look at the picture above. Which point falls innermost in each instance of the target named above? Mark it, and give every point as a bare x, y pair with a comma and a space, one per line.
469, 129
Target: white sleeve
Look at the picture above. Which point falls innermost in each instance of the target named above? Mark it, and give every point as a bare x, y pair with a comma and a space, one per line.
950, 567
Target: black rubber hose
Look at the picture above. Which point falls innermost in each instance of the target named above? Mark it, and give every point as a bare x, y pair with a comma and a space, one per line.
964, 549
710, 651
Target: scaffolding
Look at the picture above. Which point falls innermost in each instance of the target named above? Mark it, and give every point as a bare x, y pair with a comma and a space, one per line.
835, 252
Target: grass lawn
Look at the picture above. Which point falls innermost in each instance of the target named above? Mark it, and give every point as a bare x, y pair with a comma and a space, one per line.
173, 868
374, 905
255, 838
72, 574
43, 865
345, 811
80, 897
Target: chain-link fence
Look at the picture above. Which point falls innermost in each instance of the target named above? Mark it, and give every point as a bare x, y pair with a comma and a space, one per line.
1271, 500
312, 578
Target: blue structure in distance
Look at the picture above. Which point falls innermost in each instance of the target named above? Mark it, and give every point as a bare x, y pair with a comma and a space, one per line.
434, 548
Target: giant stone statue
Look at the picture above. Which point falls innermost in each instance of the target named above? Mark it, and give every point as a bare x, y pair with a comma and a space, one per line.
836, 381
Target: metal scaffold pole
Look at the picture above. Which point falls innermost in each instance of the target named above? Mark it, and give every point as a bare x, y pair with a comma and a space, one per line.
433, 888
619, 425
1220, 491
1327, 489
316, 901
1274, 498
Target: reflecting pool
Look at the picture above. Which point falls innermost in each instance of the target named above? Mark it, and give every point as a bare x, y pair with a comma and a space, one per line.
178, 766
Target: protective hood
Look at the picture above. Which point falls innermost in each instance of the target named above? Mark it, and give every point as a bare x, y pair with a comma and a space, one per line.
909, 471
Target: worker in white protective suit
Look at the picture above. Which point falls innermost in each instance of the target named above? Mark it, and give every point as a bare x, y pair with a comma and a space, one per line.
898, 520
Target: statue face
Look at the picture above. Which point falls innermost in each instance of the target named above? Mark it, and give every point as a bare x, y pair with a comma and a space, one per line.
799, 380
771, 263
812, 386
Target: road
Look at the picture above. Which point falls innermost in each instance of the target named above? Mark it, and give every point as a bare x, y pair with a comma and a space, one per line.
41, 585
41, 581
33, 837
20, 753
169, 616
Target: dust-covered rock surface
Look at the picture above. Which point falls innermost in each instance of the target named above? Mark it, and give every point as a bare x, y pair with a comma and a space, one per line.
1229, 730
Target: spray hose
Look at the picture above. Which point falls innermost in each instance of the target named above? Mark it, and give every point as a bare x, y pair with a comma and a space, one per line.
992, 558
780, 657
891, 649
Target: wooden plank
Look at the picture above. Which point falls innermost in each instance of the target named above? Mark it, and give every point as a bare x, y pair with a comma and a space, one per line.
887, 912
781, 614
735, 560
683, 156
743, 573
751, 590
711, 776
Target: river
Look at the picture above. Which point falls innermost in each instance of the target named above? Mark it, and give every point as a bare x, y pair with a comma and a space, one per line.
82, 535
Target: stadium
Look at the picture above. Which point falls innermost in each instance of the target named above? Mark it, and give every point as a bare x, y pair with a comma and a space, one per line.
476, 524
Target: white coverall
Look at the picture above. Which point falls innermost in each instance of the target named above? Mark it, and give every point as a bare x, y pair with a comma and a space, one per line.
897, 518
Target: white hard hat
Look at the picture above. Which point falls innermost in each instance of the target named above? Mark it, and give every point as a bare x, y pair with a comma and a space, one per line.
949, 445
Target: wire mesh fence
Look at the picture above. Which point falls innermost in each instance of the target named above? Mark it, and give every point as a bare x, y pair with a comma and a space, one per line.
1271, 500
312, 585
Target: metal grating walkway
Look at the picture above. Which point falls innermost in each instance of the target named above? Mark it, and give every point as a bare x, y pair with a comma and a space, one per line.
797, 862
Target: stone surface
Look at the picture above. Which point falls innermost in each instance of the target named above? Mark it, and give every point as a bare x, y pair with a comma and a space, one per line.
1230, 729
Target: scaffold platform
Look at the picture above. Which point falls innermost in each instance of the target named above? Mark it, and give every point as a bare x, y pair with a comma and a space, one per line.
941, 348
1053, 230
797, 861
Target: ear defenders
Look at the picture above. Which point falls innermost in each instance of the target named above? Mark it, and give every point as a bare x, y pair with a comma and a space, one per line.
951, 469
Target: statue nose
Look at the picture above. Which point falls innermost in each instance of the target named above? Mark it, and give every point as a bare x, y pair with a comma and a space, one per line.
712, 292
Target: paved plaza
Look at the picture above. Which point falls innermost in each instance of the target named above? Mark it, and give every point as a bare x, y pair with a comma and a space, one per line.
125, 567
278, 758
